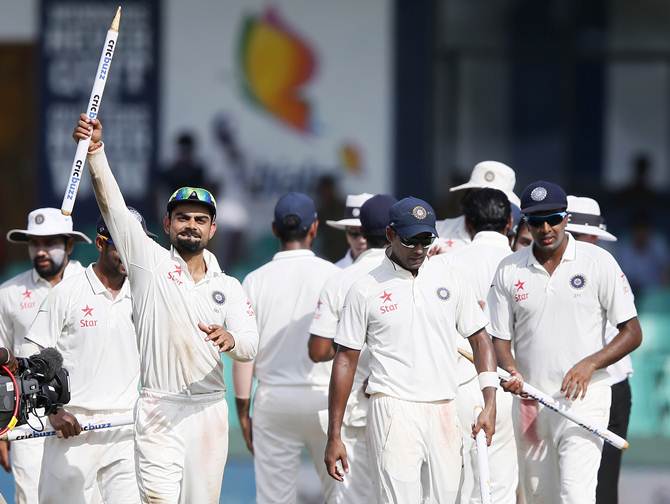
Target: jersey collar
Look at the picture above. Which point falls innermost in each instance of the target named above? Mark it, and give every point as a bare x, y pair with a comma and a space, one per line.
398, 270
492, 238
371, 253
71, 268
289, 254
213, 268
99, 288
570, 253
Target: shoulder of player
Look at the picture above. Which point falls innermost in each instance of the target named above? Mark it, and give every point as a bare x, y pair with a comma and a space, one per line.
17, 281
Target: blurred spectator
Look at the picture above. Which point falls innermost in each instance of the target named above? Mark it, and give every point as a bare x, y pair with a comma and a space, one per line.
329, 206
233, 196
639, 193
643, 255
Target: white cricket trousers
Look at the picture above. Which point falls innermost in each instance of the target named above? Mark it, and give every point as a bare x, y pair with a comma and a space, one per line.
558, 460
415, 449
503, 466
26, 459
358, 485
94, 467
286, 421
181, 445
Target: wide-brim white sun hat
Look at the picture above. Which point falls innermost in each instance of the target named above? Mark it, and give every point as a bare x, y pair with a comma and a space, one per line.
584, 218
494, 175
46, 222
352, 212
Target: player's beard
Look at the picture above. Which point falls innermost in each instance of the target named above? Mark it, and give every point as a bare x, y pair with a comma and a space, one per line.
50, 266
184, 242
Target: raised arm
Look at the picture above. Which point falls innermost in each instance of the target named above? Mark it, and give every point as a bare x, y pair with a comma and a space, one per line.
134, 246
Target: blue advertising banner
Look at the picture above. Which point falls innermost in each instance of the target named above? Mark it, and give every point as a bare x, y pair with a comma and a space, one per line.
71, 38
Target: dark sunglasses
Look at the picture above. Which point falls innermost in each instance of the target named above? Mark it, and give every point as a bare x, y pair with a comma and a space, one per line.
553, 219
354, 234
414, 241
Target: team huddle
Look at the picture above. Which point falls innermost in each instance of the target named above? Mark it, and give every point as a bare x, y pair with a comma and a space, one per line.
384, 367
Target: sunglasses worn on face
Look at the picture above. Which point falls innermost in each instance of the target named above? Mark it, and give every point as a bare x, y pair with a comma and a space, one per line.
414, 241
553, 219
354, 234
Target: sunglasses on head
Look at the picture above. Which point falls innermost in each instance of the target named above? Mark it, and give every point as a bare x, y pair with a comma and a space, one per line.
414, 241
193, 194
107, 239
553, 219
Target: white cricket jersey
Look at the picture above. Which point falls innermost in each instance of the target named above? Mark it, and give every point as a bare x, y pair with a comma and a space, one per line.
347, 260
331, 301
283, 293
96, 337
477, 262
410, 325
555, 321
168, 304
452, 233
20, 298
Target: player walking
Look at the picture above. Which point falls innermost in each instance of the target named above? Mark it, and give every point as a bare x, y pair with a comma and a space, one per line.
488, 218
50, 239
88, 318
553, 300
357, 486
408, 313
186, 311
291, 388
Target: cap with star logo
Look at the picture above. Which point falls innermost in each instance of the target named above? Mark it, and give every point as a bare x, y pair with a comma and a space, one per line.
543, 196
412, 216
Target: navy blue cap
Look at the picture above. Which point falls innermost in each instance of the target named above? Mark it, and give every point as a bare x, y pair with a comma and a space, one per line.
412, 216
295, 210
375, 214
541, 196
101, 227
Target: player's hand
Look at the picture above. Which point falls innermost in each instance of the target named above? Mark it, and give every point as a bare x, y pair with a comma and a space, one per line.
439, 247
218, 336
11, 363
88, 128
4, 456
487, 421
247, 432
335, 451
576, 381
65, 424
514, 384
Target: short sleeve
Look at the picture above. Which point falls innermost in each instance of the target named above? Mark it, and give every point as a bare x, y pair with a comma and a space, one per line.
614, 292
353, 327
499, 308
469, 315
327, 310
50, 320
6, 332
240, 321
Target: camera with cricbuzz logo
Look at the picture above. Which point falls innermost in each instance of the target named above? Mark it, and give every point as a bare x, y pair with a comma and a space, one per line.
39, 386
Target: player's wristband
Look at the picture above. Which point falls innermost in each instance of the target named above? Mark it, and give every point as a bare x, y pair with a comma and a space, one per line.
488, 379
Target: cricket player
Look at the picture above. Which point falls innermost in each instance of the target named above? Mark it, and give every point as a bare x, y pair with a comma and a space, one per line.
408, 312
553, 300
586, 224
88, 319
291, 388
357, 486
186, 312
351, 225
50, 239
452, 232
488, 218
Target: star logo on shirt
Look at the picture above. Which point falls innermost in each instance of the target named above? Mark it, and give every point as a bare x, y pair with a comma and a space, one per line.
386, 297
450, 243
177, 269
318, 304
27, 293
520, 285
88, 311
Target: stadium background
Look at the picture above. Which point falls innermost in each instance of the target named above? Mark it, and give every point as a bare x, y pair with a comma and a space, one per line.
347, 96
